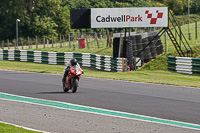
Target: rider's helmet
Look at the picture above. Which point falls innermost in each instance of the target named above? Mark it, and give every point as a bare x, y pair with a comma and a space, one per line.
73, 62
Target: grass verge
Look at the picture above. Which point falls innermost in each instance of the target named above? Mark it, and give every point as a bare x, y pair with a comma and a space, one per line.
150, 76
5, 128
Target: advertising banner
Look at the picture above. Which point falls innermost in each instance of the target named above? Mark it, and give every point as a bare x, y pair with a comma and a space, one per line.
129, 17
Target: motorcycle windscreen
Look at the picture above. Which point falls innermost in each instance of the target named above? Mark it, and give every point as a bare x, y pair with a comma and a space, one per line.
76, 69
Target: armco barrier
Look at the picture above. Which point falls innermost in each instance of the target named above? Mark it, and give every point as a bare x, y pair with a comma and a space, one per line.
184, 64
105, 63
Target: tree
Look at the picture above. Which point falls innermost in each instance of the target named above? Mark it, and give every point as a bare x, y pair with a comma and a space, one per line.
10, 10
52, 17
195, 6
43, 18
63, 20
179, 7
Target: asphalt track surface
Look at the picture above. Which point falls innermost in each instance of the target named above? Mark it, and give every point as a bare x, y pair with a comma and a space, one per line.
162, 101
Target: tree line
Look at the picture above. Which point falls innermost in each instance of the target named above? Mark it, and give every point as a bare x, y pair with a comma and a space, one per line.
52, 17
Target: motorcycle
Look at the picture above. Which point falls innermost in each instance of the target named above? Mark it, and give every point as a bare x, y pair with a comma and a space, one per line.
72, 79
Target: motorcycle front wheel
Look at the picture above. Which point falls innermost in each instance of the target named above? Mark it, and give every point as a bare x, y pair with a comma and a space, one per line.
75, 85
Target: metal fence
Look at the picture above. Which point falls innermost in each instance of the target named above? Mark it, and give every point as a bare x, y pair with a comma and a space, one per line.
70, 40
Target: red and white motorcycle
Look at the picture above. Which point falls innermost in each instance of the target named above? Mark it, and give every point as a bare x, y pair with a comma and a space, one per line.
72, 79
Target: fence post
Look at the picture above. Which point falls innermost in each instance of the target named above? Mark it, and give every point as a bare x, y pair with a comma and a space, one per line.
12, 45
15, 43
166, 50
96, 37
60, 41
31, 42
69, 41
25, 43
22, 43
101, 37
73, 41
196, 29
63, 39
28, 43
3, 44
8, 44
52, 40
36, 42
108, 39
87, 40
43, 41
78, 42
111, 40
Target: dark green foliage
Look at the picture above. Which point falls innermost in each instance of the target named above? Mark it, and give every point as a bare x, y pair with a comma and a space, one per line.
52, 17
179, 7
195, 8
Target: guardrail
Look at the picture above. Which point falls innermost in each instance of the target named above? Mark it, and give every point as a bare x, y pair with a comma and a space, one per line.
184, 64
105, 63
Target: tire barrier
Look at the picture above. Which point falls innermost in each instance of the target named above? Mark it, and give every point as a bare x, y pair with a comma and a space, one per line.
159, 47
130, 54
134, 48
139, 45
125, 51
186, 65
116, 47
105, 63
152, 47
139, 42
146, 52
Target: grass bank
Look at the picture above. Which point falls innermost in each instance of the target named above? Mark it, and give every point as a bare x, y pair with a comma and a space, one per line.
5, 128
150, 76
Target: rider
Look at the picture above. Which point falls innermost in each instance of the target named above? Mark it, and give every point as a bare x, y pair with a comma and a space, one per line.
66, 70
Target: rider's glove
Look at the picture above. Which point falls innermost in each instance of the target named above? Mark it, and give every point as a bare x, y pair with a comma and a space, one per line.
82, 72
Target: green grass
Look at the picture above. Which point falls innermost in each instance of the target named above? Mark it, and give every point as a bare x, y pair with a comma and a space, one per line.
160, 63
5, 128
150, 76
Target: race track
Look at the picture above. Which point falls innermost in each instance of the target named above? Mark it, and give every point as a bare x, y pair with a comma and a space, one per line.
155, 100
